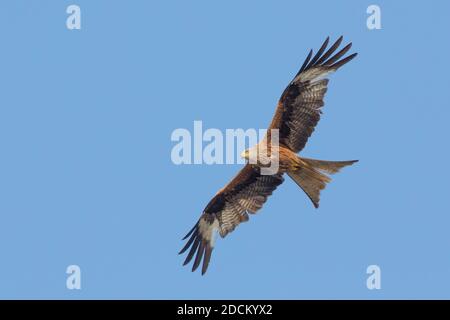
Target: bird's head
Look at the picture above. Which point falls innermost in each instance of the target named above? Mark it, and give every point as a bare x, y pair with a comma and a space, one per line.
245, 154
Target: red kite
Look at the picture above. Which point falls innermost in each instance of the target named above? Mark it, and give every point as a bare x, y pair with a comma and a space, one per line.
296, 116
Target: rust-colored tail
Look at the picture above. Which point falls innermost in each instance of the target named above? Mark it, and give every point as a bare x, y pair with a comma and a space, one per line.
312, 177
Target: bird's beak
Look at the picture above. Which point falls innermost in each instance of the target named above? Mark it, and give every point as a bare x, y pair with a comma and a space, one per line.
243, 154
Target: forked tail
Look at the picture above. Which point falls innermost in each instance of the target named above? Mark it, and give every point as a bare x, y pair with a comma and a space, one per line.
312, 176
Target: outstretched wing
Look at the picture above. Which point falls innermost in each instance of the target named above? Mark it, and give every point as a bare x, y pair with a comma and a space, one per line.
246, 193
299, 107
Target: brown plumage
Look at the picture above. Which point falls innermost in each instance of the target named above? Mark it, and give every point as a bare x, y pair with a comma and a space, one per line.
298, 112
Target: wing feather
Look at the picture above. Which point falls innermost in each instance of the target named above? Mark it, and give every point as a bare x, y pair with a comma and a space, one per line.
319, 53
297, 114
299, 107
331, 50
305, 63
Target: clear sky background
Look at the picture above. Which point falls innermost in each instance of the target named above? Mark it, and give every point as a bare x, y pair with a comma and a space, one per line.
86, 176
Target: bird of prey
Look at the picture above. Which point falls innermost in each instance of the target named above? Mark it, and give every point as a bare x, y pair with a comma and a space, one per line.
297, 113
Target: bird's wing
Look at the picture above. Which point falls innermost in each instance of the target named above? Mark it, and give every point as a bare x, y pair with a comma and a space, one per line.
299, 107
246, 193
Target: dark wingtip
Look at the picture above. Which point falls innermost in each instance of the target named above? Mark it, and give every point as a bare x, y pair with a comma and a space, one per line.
199, 256
339, 40
199, 251
206, 258
193, 234
305, 63
340, 63
319, 53
338, 55
194, 247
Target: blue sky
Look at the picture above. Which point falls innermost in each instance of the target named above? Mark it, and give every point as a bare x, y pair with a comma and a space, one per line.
86, 176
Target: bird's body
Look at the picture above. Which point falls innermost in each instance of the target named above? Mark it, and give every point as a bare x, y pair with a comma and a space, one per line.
298, 112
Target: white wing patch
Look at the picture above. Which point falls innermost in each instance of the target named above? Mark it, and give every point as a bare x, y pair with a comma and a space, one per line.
314, 75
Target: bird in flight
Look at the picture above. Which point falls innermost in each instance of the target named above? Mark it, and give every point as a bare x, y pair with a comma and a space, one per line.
297, 113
